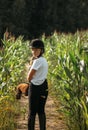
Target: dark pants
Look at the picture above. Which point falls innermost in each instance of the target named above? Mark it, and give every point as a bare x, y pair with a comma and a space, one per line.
37, 99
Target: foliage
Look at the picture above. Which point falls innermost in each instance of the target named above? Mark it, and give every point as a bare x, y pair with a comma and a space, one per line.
68, 74
8, 110
13, 57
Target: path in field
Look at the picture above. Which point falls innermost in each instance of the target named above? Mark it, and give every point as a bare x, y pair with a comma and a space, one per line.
54, 119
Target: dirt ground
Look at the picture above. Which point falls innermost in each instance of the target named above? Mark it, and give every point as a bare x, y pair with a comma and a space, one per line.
54, 121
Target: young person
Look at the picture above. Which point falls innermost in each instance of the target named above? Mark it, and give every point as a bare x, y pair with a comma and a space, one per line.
38, 90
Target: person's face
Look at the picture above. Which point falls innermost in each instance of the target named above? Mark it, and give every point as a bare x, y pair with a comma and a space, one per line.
36, 52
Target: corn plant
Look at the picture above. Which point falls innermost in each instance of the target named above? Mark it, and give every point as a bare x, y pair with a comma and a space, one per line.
68, 63
12, 61
8, 110
13, 57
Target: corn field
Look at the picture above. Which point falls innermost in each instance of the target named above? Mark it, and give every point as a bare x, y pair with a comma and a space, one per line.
67, 55
68, 76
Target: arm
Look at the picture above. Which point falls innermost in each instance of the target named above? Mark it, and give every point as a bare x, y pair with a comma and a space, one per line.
31, 74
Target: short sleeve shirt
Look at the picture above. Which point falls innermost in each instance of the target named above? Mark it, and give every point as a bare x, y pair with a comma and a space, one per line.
41, 66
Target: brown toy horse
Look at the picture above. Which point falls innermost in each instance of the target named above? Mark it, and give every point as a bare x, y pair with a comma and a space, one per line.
22, 89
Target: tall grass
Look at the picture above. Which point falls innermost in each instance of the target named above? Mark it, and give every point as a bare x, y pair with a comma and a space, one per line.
68, 74
13, 57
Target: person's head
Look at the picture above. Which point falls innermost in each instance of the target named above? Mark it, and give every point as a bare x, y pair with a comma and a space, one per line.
37, 47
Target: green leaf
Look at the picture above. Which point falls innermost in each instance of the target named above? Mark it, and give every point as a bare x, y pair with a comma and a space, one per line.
68, 73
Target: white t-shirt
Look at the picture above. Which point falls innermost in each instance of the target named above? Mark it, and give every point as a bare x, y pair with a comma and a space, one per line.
41, 66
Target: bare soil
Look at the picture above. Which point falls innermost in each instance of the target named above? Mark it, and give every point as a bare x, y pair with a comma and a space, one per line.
54, 121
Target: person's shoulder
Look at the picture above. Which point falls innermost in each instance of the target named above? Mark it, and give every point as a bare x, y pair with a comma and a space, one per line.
38, 60
42, 58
